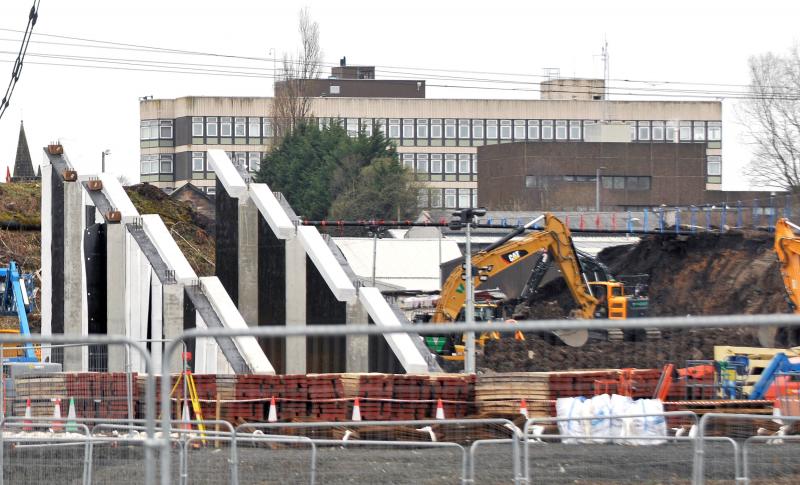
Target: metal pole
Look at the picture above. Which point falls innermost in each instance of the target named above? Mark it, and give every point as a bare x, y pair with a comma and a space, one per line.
597, 191
103, 163
374, 254
469, 315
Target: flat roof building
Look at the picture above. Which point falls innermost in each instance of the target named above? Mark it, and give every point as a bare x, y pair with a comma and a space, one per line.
438, 139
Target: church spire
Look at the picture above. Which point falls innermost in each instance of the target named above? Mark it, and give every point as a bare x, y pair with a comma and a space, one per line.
23, 165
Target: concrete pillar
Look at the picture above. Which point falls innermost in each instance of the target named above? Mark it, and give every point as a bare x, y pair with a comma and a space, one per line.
357, 345
295, 305
47, 256
116, 254
156, 321
248, 262
172, 315
76, 358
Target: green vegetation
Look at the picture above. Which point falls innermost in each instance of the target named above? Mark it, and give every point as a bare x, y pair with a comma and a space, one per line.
20, 202
324, 173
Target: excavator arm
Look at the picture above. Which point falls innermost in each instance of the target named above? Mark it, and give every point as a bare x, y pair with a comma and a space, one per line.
555, 238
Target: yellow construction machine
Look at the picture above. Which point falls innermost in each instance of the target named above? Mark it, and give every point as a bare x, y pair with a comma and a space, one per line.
787, 247
597, 299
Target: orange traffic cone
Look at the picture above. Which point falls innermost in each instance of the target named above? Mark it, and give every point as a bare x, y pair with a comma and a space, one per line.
273, 411
27, 423
72, 424
439, 410
185, 418
58, 425
523, 408
357, 410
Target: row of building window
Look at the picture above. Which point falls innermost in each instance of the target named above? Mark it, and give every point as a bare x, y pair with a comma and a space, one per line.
251, 161
154, 164
610, 182
437, 163
447, 128
447, 198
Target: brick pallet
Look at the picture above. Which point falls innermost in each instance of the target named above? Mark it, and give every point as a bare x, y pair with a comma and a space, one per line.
41, 390
500, 394
322, 388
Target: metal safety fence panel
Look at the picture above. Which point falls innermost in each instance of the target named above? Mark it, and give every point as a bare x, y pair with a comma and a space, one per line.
48, 409
610, 449
771, 459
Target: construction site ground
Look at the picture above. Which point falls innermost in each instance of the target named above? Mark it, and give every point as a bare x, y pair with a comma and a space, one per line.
704, 274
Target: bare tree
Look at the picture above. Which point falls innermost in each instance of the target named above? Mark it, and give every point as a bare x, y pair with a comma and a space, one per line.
292, 102
772, 119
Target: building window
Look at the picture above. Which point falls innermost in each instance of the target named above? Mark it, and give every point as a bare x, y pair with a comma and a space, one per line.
450, 163
394, 128
335, 90
474, 197
254, 161
491, 129
211, 190
505, 129
714, 165
450, 198
422, 163
149, 164
519, 130
197, 126
267, 128
670, 131
422, 198
436, 197
422, 129
464, 199
561, 130
531, 181
574, 130
632, 126
714, 131
241, 159
255, 127
644, 130
366, 126
463, 129
408, 161
464, 163
149, 130
637, 183
685, 131
240, 125
165, 129
436, 129
436, 163
165, 160
198, 162
533, 129
699, 131
547, 129
658, 131
408, 129
352, 127
226, 127
211, 126
477, 129
449, 128
475, 164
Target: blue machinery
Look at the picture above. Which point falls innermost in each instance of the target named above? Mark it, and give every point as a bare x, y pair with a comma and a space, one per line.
778, 365
16, 292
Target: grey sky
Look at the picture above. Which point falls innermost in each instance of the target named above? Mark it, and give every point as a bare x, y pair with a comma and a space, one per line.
93, 109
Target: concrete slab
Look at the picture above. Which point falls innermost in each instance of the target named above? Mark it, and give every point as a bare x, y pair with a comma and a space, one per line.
270, 208
168, 248
326, 263
227, 173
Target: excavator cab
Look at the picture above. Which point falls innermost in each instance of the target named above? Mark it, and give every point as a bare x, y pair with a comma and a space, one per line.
615, 303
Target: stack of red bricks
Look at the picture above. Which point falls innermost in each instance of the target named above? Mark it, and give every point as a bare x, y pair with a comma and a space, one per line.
375, 386
326, 396
294, 398
253, 393
411, 388
582, 383
453, 388
100, 394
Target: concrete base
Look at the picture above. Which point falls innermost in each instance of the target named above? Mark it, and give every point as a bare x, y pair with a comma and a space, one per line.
295, 305
357, 345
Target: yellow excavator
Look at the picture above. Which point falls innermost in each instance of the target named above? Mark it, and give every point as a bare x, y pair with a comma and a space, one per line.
597, 299
787, 247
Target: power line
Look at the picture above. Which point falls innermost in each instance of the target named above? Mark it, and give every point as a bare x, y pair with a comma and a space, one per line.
16, 72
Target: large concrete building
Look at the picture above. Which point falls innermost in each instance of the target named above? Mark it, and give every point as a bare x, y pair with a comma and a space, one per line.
437, 138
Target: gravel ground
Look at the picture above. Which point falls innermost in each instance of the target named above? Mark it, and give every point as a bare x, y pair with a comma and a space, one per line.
549, 463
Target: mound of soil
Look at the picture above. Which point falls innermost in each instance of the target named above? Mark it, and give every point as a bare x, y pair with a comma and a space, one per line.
704, 274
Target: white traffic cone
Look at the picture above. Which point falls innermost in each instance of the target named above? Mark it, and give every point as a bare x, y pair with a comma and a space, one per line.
72, 424
273, 411
356, 410
27, 423
439, 410
58, 425
185, 417
523, 408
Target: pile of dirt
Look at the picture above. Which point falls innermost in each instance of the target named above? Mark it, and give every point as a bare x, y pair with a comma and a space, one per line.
703, 274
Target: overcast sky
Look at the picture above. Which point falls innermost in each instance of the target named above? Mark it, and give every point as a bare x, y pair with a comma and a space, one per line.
90, 110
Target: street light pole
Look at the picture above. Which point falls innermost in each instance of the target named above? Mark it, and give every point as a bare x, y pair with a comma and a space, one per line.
103, 163
469, 312
597, 189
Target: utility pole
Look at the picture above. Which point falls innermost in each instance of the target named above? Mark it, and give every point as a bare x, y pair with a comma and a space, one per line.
597, 189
